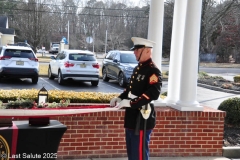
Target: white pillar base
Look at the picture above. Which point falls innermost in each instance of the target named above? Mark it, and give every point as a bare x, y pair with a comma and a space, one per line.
159, 103
187, 107
169, 101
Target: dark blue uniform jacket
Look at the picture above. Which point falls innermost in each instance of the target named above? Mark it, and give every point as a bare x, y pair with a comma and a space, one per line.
145, 83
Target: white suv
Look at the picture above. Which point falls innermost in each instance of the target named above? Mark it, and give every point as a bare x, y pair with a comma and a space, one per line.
74, 64
18, 62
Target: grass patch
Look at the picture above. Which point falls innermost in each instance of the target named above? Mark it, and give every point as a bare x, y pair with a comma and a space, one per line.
44, 59
43, 70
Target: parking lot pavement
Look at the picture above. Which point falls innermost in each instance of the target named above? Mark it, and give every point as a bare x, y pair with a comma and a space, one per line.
211, 98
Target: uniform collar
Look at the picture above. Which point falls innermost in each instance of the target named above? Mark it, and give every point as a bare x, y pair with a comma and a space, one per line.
146, 62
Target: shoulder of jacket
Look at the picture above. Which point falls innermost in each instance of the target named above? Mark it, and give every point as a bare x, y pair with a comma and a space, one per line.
153, 65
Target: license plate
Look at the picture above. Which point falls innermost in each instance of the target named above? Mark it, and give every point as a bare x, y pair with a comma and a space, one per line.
83, 65
19, 63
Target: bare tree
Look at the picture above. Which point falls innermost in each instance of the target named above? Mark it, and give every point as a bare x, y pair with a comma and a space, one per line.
29, 22
212, 13
43, 21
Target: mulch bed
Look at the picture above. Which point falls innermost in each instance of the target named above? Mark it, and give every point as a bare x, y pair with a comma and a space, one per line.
231, 136
220, 82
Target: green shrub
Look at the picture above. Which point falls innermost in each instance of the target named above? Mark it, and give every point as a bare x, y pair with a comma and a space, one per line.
232, 108
236, 79
167, 73
202, 75
27, 98
2, 106
164, 94
217, 77
20, 103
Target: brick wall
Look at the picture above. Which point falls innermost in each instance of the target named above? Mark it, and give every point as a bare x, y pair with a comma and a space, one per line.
98, 135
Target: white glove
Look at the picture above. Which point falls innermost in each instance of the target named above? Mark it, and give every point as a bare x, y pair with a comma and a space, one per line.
124, 103
146, 113
114, 101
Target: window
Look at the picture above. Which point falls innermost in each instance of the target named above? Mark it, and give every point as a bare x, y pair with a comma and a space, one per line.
128, 58
81, 57
19, 53
61, 56
109, 55
55, 45
58, 56
117, 56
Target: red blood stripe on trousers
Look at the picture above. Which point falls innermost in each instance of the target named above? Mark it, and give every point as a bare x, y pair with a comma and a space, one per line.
140, 145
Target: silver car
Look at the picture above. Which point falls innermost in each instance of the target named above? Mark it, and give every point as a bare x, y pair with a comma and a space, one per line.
74, 64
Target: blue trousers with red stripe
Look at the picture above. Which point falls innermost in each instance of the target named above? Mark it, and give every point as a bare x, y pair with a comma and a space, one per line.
134, 144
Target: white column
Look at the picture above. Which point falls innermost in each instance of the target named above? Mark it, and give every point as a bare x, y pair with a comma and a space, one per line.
188, 81
155, 29
61, 47
155, 33
179, 18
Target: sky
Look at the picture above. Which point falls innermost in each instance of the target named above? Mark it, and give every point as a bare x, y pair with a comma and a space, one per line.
136, 2
143, 2
133, 2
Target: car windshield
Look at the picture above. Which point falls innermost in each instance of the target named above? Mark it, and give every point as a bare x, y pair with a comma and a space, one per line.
128, 58
55, 45
81, 57
19, 53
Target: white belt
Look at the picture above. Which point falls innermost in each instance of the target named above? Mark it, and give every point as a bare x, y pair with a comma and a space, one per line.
145, 113
130, 95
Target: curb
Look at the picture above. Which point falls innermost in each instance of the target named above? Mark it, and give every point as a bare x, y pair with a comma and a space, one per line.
217, 88
231, 152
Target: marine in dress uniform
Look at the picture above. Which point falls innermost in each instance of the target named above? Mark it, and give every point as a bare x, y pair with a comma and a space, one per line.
145, 86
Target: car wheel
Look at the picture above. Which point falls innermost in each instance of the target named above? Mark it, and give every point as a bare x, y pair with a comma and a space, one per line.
34, 80
104, 75
94, 83
121, 80
60, 79
50, 75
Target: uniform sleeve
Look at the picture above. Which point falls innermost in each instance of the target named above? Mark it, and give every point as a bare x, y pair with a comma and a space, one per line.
124, 95
154, 85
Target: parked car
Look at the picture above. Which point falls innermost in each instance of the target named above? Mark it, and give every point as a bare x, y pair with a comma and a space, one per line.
54, 47
74, 64
18, 62
119, 65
